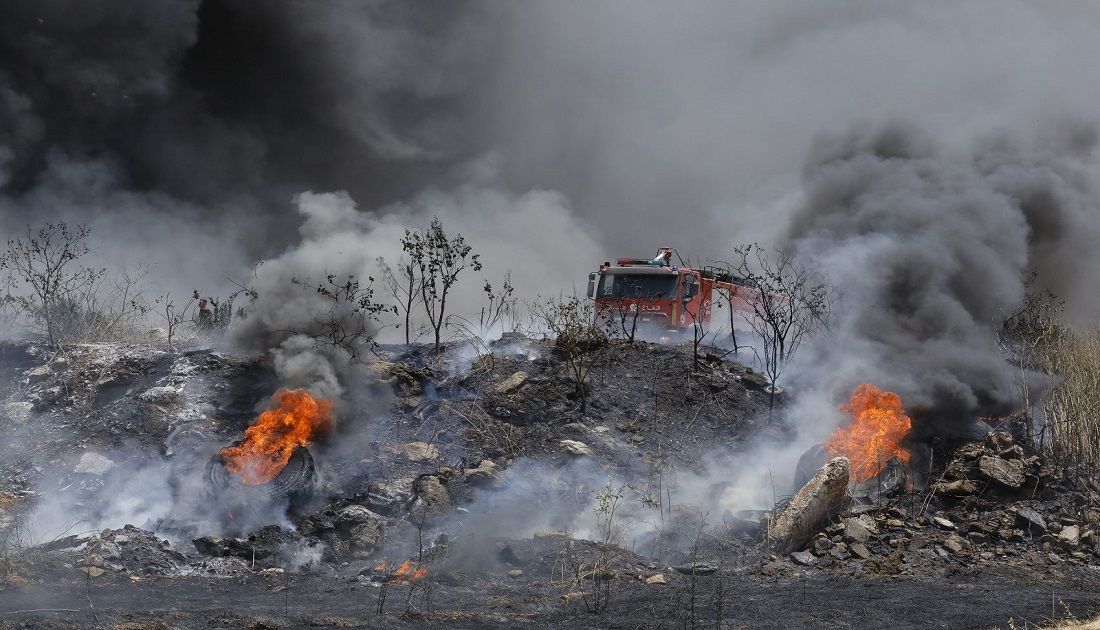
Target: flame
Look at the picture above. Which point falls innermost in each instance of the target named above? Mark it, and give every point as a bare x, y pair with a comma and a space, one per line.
879, 425
294, 419
407, 573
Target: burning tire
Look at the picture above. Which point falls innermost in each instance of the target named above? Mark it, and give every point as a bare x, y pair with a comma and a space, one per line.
295, 482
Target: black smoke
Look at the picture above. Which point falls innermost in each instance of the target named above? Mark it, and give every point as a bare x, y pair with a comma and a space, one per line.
932, 249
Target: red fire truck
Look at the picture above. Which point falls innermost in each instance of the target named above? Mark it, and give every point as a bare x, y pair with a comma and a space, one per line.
657, 295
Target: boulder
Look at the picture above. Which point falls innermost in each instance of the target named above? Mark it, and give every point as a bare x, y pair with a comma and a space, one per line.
860, 551
805, 558
1070, 535
16, 412
93, 464
658, 579
433, 495
391, 496
355, 515
162, 396
1029, 520
366, 538
1007, 472
414, 451
484, 473
822, 496
575, 448
859, 529
38, 374
512, 383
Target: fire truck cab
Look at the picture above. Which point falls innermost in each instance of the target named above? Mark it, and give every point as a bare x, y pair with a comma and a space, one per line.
660, 296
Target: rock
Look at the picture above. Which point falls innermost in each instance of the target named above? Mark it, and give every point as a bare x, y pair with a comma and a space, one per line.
433, 496
354, 515
512, 383
860, 550
38, 374
391, 495
953, 544
840, 551
17, 412
943, 522
366, 538
1070, 535
822, 546
805, 558
894, 523
658, 579
697, 568
1029, 520
578, 449
163, 396
414, 451
93, 464
822, 496
1007, 472
515, 573
958, 488
93, 571
859, 529
485, 472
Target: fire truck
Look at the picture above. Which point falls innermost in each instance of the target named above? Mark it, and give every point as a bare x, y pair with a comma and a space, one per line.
657, 295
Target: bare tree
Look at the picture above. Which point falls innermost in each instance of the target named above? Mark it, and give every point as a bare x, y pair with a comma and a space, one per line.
172, 315
577, 338
41, 265
351, 320
792, 303
404, 285
439, 259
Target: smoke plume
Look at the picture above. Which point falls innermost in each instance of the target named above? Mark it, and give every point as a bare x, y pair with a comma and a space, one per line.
931, 248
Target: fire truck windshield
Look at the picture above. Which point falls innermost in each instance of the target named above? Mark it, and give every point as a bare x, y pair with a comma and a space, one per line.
646, 287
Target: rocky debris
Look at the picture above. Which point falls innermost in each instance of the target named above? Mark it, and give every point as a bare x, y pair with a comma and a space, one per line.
128, 550
512, 383
821, 497
405, 380
93, 464
970, 520
269, 545
575, 448
414, 451
994, 466
658, 579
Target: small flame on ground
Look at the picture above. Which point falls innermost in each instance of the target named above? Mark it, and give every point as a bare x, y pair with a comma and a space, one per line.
295, 419
406, 573
879, 425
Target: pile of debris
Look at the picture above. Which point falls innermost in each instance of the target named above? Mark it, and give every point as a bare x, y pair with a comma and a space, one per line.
992, 504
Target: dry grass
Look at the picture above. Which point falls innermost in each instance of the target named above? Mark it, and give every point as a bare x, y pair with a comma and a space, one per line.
1071, 431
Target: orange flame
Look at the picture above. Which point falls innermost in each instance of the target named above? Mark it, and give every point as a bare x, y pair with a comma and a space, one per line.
294, 419
879, 425
407, 573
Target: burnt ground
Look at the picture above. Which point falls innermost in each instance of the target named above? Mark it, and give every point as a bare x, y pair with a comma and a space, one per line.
753, 602
428, 438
